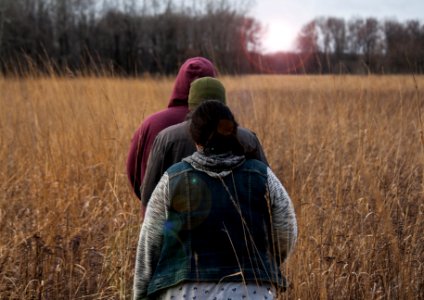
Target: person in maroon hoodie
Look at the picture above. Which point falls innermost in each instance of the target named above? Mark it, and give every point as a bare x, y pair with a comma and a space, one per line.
175, 113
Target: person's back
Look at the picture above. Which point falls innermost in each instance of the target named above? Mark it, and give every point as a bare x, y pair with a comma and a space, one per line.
175, 143
211, 203
175, 113
217, 225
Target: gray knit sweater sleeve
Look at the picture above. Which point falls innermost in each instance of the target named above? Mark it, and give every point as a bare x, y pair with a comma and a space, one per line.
151, 237
283, 216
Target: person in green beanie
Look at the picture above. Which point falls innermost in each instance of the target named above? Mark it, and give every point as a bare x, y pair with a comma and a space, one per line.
175, 143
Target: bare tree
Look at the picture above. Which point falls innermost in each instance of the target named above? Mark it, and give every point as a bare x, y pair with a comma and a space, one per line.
307, 39
337, 30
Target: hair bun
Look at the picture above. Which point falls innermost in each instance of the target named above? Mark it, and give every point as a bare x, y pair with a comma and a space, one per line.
225, 127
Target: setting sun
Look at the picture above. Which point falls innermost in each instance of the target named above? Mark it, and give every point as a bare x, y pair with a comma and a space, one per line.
279, 36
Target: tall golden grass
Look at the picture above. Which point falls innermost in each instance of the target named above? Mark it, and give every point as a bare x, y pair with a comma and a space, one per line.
349, 150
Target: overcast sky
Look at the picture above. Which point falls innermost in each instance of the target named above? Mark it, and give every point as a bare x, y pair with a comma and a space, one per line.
284, 18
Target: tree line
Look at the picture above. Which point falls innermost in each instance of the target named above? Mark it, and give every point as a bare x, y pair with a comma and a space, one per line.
156, 36
135, 37
334, 45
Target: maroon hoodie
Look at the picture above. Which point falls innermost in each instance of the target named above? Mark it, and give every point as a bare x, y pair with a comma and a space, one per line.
176, 112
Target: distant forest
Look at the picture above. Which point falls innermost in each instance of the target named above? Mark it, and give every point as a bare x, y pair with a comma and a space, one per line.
155, 37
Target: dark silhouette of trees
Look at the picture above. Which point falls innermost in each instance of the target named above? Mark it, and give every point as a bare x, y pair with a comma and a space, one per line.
362, 45
155, 36
130, 38
404, 45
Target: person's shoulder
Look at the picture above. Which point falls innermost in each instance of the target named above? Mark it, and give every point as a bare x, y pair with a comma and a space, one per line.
154, 117
254, 164
176, 128
161, 120
178, 168
245, 133
243, 130
247, 138
173, 133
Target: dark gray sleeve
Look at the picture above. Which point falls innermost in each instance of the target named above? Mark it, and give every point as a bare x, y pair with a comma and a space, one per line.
260, 154
252, 147
155, 168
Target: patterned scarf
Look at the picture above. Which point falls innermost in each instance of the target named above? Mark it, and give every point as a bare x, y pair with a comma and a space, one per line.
217, 165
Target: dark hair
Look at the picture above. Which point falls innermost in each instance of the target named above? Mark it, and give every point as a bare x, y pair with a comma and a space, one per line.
213, 126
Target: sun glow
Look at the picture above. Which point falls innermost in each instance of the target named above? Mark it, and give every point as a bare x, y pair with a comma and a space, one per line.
279, 36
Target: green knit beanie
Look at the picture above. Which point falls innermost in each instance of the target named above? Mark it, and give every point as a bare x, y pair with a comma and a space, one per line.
205, 88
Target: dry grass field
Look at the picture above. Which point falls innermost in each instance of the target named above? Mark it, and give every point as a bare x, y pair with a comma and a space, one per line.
349, 150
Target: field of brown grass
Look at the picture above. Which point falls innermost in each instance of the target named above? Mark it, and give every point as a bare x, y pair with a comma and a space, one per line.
349, 150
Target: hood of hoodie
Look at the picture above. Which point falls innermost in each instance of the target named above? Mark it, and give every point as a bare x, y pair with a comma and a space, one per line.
192, 68
218, 165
